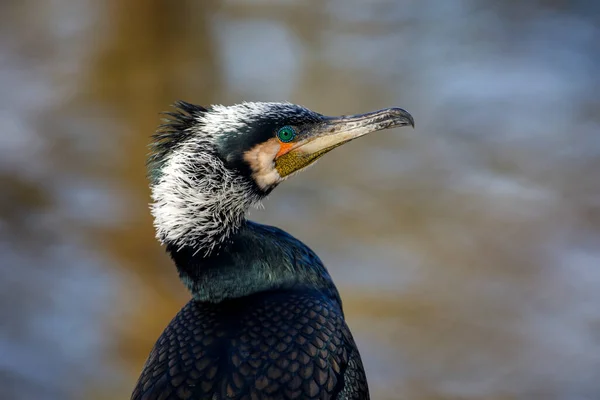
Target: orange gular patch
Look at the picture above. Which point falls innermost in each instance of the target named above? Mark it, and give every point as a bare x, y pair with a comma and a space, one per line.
283, 148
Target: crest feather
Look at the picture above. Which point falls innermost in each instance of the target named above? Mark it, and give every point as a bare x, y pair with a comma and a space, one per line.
176, 127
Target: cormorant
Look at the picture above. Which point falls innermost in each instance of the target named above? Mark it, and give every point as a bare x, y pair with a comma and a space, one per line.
265, 320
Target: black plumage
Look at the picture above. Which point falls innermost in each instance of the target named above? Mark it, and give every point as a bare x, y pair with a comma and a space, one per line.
266, 320
291, 344
284, 340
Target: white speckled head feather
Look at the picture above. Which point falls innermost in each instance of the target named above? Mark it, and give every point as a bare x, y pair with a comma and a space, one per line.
197, 201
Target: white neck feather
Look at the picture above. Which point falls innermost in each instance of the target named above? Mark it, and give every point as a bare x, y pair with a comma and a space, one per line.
197, 201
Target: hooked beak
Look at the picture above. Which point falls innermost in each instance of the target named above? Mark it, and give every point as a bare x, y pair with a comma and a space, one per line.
334, 132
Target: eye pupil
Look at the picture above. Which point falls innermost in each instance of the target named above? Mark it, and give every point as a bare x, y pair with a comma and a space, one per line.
286, 134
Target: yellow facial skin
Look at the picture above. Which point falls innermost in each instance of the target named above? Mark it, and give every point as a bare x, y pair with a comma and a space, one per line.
293, 161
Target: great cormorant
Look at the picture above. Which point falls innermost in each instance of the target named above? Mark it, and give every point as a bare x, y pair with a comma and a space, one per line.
265, 320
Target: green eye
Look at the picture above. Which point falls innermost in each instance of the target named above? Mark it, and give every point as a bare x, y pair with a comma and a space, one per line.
286, 134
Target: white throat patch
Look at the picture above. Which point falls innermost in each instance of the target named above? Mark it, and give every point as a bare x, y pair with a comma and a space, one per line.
261, 159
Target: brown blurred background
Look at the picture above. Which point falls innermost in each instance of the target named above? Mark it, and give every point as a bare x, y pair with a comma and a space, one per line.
467, 251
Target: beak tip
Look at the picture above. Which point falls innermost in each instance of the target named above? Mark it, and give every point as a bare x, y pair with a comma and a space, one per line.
404, 116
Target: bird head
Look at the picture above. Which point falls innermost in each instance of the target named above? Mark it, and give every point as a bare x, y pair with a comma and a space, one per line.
222, 159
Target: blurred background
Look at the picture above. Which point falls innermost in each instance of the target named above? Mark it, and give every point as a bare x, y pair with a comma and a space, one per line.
467, 251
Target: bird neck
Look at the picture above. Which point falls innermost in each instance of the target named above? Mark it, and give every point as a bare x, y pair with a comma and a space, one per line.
256, 258
199, 213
